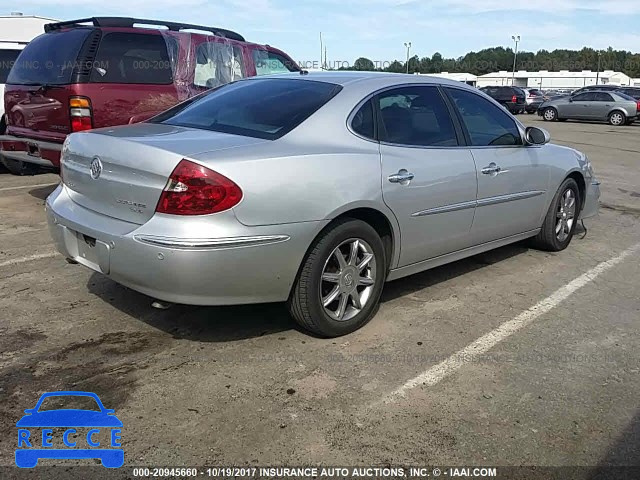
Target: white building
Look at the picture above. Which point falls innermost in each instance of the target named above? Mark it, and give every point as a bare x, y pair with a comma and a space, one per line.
467, 78
546, 80
19, 28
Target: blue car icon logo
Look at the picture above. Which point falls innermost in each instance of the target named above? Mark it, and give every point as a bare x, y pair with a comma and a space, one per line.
98, 424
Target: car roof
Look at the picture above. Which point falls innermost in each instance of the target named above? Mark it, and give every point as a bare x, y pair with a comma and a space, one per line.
344, 78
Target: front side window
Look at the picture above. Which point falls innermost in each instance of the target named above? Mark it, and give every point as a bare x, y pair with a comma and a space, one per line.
132, 58
269, 62
486, 123
416, 115
584, 97
263, 108
218, 63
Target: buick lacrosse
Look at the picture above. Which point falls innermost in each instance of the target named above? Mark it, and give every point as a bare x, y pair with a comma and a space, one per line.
312, 189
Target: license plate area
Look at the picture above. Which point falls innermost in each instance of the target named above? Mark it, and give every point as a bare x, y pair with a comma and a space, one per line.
92, 253
33, 150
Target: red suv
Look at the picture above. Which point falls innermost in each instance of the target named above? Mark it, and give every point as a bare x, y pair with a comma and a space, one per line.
100, 72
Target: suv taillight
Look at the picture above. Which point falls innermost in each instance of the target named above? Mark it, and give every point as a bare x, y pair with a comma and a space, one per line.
514, 99
638, 102
80, 112
193, 189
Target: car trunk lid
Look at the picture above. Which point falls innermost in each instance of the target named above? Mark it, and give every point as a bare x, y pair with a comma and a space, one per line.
121, 172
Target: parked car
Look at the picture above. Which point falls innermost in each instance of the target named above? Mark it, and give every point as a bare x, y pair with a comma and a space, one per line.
312, 189
106, 71
534, 98
631, 91
614, 107
512, 98
593, 88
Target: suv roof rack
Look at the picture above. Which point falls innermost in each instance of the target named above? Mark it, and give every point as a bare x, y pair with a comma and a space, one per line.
130, 22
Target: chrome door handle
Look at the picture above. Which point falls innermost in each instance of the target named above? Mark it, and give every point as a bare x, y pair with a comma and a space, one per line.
403, 177
491, 169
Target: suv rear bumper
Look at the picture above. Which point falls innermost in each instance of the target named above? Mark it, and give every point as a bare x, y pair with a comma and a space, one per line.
46, 154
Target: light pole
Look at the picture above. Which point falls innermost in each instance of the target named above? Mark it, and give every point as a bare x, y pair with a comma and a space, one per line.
515, 38
598, 72
408, 46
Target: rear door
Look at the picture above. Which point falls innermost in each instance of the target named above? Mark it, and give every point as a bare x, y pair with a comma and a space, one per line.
131, 76
512, 178
428, 179
601, 106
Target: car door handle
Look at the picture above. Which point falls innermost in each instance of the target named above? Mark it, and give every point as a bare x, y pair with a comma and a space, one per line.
493, 169
403, 177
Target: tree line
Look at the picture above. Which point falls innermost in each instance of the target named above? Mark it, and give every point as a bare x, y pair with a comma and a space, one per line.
500, 58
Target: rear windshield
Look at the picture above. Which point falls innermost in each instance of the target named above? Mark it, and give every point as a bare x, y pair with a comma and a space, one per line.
7, 59
49, 59
266, 108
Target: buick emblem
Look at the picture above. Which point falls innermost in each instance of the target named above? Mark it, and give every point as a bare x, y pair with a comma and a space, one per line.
96, 168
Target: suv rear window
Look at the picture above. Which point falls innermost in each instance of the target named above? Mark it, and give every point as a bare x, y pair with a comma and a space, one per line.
49, 59
265, 108
7, 59
132, 58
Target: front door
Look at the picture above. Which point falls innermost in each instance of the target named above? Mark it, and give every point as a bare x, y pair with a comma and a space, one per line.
512, 178
428, 179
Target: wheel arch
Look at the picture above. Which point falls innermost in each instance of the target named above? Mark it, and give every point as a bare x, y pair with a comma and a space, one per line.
582, 185
384, 223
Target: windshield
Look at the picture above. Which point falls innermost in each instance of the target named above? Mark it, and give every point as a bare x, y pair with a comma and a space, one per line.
49, 59
266, 108
7, 59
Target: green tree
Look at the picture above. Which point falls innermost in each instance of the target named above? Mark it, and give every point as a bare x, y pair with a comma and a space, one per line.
364, 64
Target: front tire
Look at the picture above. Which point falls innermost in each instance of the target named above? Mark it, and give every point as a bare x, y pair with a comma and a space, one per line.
339, 285
617, 118
560, 222
550, 114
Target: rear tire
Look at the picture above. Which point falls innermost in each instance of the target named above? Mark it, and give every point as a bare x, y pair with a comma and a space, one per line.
559, 224
550, 114
617, 118
328, 291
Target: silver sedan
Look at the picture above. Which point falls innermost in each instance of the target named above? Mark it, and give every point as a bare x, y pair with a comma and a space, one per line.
312, 189
616, 108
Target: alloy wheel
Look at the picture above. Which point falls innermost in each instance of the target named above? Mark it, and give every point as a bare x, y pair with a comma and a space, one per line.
616, 119
549, 114
348, 279
565, 215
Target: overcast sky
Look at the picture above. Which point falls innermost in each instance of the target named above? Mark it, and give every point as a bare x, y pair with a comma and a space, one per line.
377, 29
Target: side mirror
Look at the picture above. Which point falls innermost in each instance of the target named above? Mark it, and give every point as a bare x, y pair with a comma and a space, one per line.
536, 136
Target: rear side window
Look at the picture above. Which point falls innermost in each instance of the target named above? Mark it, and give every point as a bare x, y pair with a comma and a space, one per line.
416, 115
625, 96
218, 63
603, 97
132, 58
486, 123
49, 59
269, 62
265, 108
363, 123
7, 59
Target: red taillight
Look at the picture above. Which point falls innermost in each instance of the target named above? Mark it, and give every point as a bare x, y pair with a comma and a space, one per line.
81, 115
514, 99
638, 102
196, 190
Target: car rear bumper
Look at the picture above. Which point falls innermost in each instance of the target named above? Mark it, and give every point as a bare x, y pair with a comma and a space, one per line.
46, 154
243, 265
592, 200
